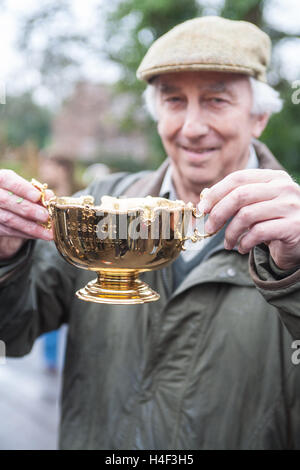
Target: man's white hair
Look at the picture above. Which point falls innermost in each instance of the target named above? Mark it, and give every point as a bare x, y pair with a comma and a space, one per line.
265, 98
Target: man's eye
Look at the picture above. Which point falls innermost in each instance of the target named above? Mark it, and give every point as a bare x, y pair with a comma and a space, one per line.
173, 99
216, 100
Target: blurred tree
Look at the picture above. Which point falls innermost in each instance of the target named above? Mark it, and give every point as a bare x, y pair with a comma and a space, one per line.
22, 120
248, 10
48, 35
281, 135
130, 26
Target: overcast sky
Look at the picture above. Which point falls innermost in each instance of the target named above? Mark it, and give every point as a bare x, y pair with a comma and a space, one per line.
19, 75
11, 58
283, 14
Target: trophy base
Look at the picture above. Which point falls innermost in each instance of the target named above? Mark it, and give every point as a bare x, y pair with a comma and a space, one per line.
117, 288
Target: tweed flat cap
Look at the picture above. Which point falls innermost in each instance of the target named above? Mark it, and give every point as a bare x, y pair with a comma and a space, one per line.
209, 43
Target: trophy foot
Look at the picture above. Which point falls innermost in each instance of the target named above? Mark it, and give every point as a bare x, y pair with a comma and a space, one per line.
117, 288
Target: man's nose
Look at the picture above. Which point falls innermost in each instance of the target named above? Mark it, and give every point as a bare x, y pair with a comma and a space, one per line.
195, 124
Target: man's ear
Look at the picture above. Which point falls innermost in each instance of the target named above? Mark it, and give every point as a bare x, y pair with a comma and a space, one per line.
259, 124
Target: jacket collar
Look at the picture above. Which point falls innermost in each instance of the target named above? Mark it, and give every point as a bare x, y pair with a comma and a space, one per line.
227, 267
168, 190
151, 183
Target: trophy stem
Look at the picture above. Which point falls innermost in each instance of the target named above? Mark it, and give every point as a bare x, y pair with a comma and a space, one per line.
117, 287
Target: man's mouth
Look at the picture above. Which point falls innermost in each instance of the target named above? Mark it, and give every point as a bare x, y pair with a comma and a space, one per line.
199, 151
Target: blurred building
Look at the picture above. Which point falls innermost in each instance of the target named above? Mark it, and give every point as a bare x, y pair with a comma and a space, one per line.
58, 172
89, 125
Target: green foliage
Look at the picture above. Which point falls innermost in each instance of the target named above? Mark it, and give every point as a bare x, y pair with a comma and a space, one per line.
130, 28
22, 120
12, 165
53, 23
132, 25
249, 10
282, 134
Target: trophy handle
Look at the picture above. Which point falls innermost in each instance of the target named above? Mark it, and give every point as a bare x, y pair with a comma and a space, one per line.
197, 236
42, 188
47, 204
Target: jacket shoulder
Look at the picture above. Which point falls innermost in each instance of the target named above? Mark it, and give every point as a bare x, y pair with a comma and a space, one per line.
112, 185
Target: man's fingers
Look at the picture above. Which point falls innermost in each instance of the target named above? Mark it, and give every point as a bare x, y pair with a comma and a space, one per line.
241, 201
250, 215
49, 194
22, 207
240, 178
15, 184
10, 232
263, 232
27, 227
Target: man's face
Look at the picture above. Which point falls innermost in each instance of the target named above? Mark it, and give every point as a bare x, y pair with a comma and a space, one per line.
206, 125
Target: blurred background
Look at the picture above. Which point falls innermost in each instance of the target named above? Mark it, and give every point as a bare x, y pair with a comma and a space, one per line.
71, 108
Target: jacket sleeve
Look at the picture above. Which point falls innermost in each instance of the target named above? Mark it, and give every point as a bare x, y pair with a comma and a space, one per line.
36, 289
37, 286
280, 288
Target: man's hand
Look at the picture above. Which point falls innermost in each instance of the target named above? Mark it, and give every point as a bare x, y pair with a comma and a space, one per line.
265, 208
20, 213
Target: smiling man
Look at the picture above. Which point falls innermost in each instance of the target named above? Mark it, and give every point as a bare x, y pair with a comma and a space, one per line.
211, 100
206, 126
209, 365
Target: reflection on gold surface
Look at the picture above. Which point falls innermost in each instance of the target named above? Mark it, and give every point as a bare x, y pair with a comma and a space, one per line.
118, 240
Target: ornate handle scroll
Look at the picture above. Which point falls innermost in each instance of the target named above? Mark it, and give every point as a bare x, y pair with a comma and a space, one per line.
197, 236
42, 188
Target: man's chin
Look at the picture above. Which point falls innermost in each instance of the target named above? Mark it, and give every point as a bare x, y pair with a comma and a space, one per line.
197, 184
199, 158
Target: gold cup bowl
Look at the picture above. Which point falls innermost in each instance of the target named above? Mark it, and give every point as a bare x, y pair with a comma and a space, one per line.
120, 239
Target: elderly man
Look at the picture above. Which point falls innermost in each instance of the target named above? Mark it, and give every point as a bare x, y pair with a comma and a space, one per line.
209, 365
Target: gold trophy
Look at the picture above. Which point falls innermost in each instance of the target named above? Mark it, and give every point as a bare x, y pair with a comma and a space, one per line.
119, 239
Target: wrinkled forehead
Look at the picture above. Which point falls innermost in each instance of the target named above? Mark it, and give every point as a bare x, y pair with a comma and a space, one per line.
211, 81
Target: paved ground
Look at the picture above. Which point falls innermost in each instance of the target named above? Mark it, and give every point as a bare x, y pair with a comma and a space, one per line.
29, 402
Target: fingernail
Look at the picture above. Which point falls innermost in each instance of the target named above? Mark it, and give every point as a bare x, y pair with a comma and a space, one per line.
201, 207
48, 234
33, 195
208, 227
42, 215
204, 192
49, 194
203, 200
205, 207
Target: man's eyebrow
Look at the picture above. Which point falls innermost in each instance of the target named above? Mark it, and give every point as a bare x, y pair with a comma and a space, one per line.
217, 87
167, 88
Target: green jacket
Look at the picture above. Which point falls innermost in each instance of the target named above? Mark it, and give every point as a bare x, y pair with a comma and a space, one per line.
206, 367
